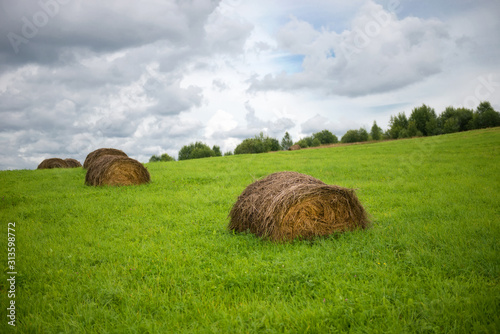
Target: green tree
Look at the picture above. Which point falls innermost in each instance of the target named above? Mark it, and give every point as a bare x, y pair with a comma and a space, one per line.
286, 142
464, 118
316, 142
325, 137
424, 118
273, 144
166, 157
363, 134
451, 125
195, 151
217, 151
376, 131
259, 144
249, 146
396, 125
485, 116
353, 136
412, 129
305, 142
154, 158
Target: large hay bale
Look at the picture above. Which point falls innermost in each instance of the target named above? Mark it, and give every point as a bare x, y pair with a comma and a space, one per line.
94, 155
52, 163
294, 147
73, 163
288, 205
116, 170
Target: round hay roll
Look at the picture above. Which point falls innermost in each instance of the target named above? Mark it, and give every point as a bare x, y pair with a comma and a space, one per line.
73, 163
294, 147
94, 155
288, 205
116, 170
52, 163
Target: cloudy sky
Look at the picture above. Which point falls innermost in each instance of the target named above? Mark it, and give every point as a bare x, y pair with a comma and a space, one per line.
149, 77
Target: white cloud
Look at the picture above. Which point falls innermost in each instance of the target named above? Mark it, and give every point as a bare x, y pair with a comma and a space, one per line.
221, 121
378, 53
153, 76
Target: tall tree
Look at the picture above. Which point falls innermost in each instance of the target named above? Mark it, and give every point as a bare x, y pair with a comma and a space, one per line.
485, 116
325, 137
195, 151
396, 126
217, 151
286, 142
376, 131
424, 118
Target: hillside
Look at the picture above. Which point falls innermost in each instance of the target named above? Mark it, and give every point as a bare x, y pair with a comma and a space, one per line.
158, 258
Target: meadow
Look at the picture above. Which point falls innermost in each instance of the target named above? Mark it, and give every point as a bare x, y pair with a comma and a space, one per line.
158, 258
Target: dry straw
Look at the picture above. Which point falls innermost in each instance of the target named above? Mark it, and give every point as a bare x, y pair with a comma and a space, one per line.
53, 163
73, 163
294, 147
115, 170
288, 205
92, 156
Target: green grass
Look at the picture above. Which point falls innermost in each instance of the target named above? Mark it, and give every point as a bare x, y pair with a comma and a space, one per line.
157, 258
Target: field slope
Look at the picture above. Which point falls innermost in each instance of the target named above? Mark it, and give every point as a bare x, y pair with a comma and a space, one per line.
157, 258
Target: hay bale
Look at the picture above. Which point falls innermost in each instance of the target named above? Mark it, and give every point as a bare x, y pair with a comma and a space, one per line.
92, 156
288, 205
294, 147
73, 163
116, 170
52, 163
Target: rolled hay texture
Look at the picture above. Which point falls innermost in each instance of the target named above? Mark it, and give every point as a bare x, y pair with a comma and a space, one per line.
52, 163
294, 147
116, 170
94, 155
73, 163
288, 205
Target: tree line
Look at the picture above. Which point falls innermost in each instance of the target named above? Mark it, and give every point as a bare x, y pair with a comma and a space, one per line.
423, 121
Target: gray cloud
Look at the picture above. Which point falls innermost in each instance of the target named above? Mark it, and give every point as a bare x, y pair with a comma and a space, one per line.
75, 74
379, 53
146, 76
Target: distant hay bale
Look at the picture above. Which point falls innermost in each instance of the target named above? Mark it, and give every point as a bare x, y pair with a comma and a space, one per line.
116, 170
73, 163
92, 156
288, 205
294, 147
53, 163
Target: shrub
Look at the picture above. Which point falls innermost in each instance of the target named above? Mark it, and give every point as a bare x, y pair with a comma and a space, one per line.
166, 157
316, 142
325, 137
217, 151
305, 142
353, 136
195, 151
259, 144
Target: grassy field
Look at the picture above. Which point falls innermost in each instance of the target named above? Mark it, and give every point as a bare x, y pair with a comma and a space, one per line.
157, 258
